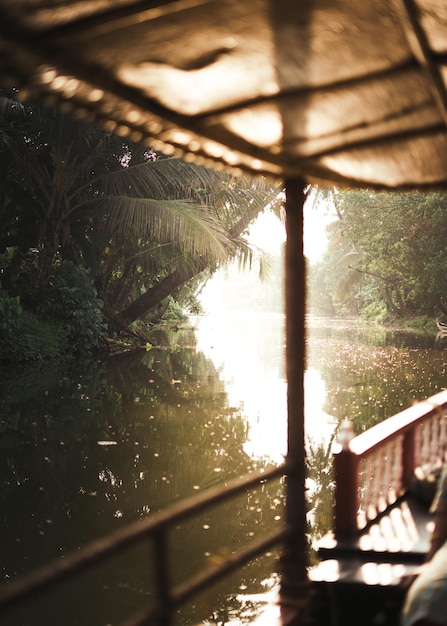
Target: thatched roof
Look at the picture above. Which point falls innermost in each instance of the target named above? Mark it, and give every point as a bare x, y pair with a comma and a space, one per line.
332, 91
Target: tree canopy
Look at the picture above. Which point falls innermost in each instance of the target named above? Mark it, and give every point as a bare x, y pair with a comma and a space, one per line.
388, 252
142, 225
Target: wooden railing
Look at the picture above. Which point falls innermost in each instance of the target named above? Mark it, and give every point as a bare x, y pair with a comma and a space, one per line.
372, 471
376, 468
168, 596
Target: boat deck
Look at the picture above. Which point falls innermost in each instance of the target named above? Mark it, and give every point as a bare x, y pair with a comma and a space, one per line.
360, 578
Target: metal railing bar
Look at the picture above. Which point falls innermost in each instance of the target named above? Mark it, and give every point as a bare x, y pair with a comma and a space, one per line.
100, 549
206, 577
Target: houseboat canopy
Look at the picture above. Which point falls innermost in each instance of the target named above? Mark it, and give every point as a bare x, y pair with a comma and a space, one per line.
333, 92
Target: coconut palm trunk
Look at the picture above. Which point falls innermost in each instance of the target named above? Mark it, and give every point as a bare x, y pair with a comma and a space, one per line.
154, 296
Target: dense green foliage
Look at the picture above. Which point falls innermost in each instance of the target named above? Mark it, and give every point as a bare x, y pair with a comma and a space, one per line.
149, 229
23, 336
73, 305
67, 320
387, 255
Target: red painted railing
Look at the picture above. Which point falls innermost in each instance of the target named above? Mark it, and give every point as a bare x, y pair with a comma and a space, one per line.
374, 469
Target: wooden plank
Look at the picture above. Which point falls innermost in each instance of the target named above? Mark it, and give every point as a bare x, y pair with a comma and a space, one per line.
401, 535
349, 592
356, 571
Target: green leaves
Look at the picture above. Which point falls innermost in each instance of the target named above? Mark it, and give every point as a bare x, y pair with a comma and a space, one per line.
72, 303
131, 217
399, 239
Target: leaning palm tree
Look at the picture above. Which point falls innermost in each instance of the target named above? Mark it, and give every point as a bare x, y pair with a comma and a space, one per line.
125, 212
175, 221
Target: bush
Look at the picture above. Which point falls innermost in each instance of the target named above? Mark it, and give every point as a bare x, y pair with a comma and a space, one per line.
19, 272
10, 311
174, 312
36, 340
72, 303
23, 337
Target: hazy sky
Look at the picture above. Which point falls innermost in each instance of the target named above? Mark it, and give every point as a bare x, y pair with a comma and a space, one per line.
268, 233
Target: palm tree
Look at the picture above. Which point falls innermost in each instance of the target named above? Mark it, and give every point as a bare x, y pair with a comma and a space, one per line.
208, 213
49, 156
144, 225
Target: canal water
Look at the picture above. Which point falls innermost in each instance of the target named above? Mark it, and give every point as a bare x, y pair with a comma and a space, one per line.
87, 450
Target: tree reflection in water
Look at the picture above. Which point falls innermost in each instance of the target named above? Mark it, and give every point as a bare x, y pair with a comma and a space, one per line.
102, 444
89, 449
364, 373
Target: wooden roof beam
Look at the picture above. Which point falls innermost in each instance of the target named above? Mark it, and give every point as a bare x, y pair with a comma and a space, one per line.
419, 45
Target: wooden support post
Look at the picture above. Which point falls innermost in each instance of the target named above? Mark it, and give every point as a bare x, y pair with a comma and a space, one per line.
295, 558
408, 458
346, 470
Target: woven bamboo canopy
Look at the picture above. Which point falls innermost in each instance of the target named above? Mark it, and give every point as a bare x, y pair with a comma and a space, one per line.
330, 92
337, 92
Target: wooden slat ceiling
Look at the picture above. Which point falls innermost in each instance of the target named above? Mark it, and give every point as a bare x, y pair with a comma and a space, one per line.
339, 92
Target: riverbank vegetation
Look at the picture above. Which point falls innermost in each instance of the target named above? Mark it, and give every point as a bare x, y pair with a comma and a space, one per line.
101, 236
386, 258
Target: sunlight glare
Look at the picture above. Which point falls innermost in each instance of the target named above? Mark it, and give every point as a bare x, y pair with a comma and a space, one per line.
255, 380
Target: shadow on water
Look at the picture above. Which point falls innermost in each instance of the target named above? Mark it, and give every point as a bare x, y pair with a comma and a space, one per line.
89, 448
99, 445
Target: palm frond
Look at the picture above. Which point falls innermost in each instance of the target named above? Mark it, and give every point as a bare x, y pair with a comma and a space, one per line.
175, 221
346, 285
347, 261
160, 179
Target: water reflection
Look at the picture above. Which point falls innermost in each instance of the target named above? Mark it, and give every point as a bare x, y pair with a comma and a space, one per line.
89, 449
371, 373
319, 425
248, 351
102, 444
